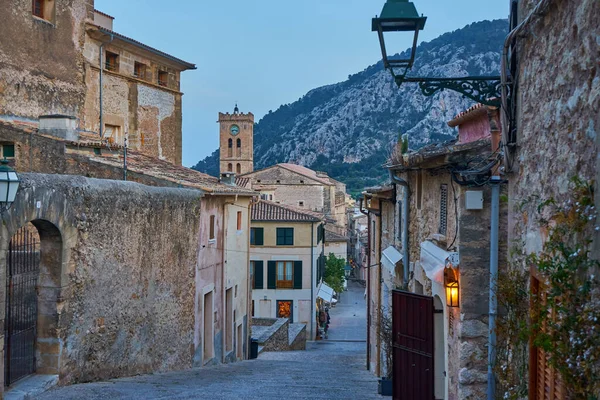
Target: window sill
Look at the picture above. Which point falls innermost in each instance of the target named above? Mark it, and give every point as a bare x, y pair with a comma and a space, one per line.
45, 21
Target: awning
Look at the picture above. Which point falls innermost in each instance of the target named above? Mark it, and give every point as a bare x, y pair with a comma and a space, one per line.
433, 261
325, 292
390, 258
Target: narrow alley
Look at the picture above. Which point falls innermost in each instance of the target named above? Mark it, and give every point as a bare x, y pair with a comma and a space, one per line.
328, 369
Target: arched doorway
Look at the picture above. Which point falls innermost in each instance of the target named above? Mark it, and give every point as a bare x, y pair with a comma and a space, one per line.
33, 275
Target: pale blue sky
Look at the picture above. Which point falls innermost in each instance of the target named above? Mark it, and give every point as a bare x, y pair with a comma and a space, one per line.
265, 53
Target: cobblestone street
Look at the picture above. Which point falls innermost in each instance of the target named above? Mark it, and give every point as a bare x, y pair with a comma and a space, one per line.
328, 369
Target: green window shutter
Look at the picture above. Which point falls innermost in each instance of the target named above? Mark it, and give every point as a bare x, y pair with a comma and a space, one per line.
280, 237
252, 236
297, 274
259, 271
259, 236
8, 150
271, 275
289, 236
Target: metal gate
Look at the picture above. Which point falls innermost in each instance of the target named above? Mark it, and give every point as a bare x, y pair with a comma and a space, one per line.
22, 269
412, 329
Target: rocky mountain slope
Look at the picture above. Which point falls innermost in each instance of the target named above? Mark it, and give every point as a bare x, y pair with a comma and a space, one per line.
348, 129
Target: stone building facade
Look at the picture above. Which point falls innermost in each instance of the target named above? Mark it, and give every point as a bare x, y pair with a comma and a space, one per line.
51, 65
557, 136
443, 228
301, 187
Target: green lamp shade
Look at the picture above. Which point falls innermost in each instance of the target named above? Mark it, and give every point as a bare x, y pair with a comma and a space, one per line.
399, 16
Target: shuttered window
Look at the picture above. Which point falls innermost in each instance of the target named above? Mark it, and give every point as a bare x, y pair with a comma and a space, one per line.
443, 209
545, 381
284, 275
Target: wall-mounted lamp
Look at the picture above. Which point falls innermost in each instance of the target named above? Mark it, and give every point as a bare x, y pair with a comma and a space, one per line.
451, 285
9, 184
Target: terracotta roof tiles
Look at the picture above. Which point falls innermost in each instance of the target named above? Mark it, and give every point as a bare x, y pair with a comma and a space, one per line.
268, 211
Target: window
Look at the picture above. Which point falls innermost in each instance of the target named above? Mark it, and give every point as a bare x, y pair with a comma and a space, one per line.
139, 70
228, 320
278, 181
230, 167
399, 234
112, 61
230, 148
301, 203
284, 309
271, 197
113, 133
253, 308
163, 78
285, 277
211, 235
43, 9
257, 236
301, 181
258, 181
443, 209
7, 150
239, 220
238, 168
239, 147
285, 236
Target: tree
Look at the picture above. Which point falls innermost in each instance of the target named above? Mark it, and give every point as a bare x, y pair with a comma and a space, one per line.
334, 272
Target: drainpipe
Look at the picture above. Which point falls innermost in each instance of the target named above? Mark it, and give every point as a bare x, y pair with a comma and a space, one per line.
125, 160
379, 276
491, 379
101, 75
223, 313
312, 278
405, 216
368, 282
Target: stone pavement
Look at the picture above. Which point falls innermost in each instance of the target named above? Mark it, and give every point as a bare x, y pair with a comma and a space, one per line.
348, 319
328, 369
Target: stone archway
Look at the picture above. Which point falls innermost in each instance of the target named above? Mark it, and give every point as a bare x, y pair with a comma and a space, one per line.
33, 290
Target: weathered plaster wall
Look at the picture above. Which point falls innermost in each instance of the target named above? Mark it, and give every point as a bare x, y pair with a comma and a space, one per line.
41, 62
558, 122
150, 115
126, 279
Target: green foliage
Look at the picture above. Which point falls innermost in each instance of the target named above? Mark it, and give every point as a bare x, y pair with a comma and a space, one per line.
564, 320
334, 272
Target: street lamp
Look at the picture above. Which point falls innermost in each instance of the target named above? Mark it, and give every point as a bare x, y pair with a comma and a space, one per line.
9, 184
402, 16
398, 16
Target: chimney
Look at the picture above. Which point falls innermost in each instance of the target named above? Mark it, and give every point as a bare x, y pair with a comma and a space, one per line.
228, 178
60, 126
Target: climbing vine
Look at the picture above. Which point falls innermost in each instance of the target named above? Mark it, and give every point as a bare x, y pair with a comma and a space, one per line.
564, 317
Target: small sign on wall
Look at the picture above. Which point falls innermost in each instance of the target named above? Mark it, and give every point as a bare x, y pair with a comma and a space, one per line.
474, 200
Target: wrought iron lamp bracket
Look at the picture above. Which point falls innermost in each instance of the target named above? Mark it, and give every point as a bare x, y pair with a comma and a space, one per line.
482, 89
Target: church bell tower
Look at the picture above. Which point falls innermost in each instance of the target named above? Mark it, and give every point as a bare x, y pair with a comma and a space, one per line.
236, 149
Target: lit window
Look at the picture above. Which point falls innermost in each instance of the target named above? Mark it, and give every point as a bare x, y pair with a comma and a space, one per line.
163, 78
285, 236
211, 235
285, 274
112, 62
284, 309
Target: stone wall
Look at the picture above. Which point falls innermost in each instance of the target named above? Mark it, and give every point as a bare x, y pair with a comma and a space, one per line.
41, 62
120, 274
274, 337
558, 122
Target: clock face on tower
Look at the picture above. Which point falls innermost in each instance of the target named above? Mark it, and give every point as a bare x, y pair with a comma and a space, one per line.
234, 130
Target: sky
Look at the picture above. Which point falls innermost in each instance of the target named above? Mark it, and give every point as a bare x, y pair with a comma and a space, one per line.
265, 53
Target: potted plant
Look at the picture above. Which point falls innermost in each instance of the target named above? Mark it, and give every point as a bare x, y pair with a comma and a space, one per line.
386, 342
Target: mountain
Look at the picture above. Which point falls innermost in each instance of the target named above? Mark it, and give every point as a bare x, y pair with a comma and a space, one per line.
349, 128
